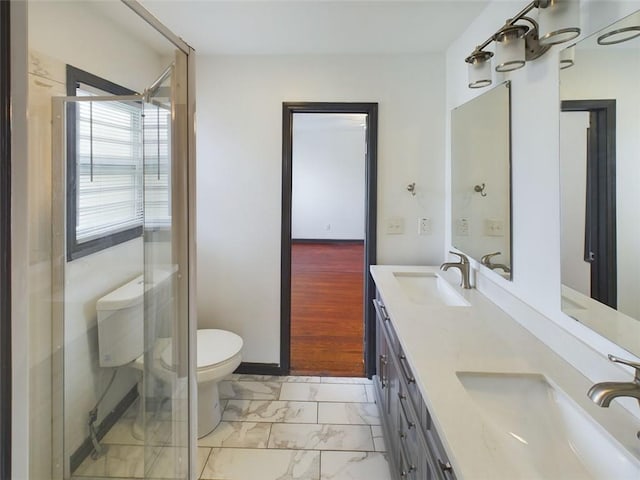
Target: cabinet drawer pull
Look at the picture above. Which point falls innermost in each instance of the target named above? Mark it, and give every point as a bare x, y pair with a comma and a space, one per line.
383, 309
403, 398
405, 471
381, 370
445, 467
405, 368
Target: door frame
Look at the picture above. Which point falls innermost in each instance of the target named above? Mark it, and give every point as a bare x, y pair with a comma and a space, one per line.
5, 243
371, 175
600, 196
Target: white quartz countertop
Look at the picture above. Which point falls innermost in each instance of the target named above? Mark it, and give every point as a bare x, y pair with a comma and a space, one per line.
442, 340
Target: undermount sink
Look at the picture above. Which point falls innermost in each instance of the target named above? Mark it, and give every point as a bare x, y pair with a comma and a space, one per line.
545, 433
427, 288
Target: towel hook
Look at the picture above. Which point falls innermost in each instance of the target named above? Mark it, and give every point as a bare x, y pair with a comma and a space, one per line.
480, 190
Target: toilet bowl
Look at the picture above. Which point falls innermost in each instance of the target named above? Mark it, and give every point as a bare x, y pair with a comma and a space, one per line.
219, 354
120, 343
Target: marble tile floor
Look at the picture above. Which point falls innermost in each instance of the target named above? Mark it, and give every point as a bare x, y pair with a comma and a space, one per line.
273, 428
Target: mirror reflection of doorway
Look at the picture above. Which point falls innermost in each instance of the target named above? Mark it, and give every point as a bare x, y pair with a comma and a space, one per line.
328, 247
588, 147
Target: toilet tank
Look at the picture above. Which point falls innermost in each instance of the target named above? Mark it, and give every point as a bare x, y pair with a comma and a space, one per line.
121, 316
121, 324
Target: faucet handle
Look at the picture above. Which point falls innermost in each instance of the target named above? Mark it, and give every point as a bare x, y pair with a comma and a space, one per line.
486, 259
628, 363
463, 257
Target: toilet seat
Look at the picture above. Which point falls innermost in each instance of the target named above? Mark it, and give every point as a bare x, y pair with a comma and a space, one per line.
217, 346
218, 350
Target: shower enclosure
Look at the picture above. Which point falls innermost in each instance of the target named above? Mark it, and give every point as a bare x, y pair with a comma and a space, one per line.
112, 155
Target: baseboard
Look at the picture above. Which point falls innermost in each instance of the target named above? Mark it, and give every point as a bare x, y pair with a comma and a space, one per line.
252, 368
84, 450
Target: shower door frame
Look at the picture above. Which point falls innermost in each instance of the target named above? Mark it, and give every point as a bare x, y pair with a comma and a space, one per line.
188, 329
5, 242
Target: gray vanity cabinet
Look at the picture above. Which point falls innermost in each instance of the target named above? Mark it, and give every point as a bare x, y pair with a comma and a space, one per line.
413, 446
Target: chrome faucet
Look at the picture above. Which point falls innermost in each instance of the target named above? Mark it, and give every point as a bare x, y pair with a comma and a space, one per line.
602, 393
486, 261
464, 267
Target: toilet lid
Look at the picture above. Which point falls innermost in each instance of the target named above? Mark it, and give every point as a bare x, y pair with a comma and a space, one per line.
214, 346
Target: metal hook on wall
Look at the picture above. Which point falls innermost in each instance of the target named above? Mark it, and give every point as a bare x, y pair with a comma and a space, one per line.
412, 188
480, 190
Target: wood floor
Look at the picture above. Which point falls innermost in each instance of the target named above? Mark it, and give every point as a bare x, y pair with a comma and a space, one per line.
327, 325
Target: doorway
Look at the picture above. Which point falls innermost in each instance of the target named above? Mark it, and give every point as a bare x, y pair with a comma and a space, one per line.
328, 238
599, 207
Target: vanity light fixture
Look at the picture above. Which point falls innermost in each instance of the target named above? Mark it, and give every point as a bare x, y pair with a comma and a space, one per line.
619, 35
518, 43
558, 21
479, 68
510, 47
568, 57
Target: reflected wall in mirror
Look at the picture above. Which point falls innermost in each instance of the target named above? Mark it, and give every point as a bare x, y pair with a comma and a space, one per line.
599, 175
481, 179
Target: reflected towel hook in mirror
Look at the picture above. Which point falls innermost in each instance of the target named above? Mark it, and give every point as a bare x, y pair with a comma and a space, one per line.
480, 190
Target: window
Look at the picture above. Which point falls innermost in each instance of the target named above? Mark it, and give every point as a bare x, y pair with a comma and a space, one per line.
117, 166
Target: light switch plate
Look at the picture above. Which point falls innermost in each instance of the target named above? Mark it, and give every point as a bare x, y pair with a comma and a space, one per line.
462, 227
424, 226
394, 226
493, 227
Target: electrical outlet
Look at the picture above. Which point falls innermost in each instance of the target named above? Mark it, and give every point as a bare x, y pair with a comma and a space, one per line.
424, 226
395, 226
462, 227
493, 227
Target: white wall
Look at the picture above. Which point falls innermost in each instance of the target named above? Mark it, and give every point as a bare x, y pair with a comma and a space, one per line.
576, 273
73, 33
239, 172
328, 177
535, 163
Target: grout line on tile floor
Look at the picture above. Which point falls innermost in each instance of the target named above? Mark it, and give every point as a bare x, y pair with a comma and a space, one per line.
204, 465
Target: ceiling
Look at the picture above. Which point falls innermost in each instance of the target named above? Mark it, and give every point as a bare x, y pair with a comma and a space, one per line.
270, 27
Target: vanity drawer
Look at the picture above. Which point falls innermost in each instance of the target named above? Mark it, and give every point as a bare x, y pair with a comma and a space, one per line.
415, 459
434, 445
409, 440
409, 380
389, 331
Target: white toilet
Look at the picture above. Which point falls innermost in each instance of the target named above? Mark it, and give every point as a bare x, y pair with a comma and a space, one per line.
121, 342
219, 354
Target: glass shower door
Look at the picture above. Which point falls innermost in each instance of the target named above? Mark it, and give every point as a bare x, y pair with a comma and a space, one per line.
127, 418
165, 267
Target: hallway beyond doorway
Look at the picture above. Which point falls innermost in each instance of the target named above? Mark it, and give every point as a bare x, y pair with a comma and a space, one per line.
327, 318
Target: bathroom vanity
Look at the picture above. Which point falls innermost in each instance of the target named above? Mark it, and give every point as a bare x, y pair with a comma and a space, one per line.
412, 441
466, 392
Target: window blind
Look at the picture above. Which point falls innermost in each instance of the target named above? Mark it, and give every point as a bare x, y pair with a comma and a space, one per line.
123, 173
157, 175
109, 167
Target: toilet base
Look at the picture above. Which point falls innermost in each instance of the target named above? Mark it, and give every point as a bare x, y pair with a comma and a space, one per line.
209, 411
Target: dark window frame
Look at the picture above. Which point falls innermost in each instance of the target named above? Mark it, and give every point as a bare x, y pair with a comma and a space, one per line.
76, 249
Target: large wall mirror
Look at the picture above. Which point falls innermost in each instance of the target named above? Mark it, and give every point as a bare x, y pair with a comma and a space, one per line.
600, 172
481, 179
